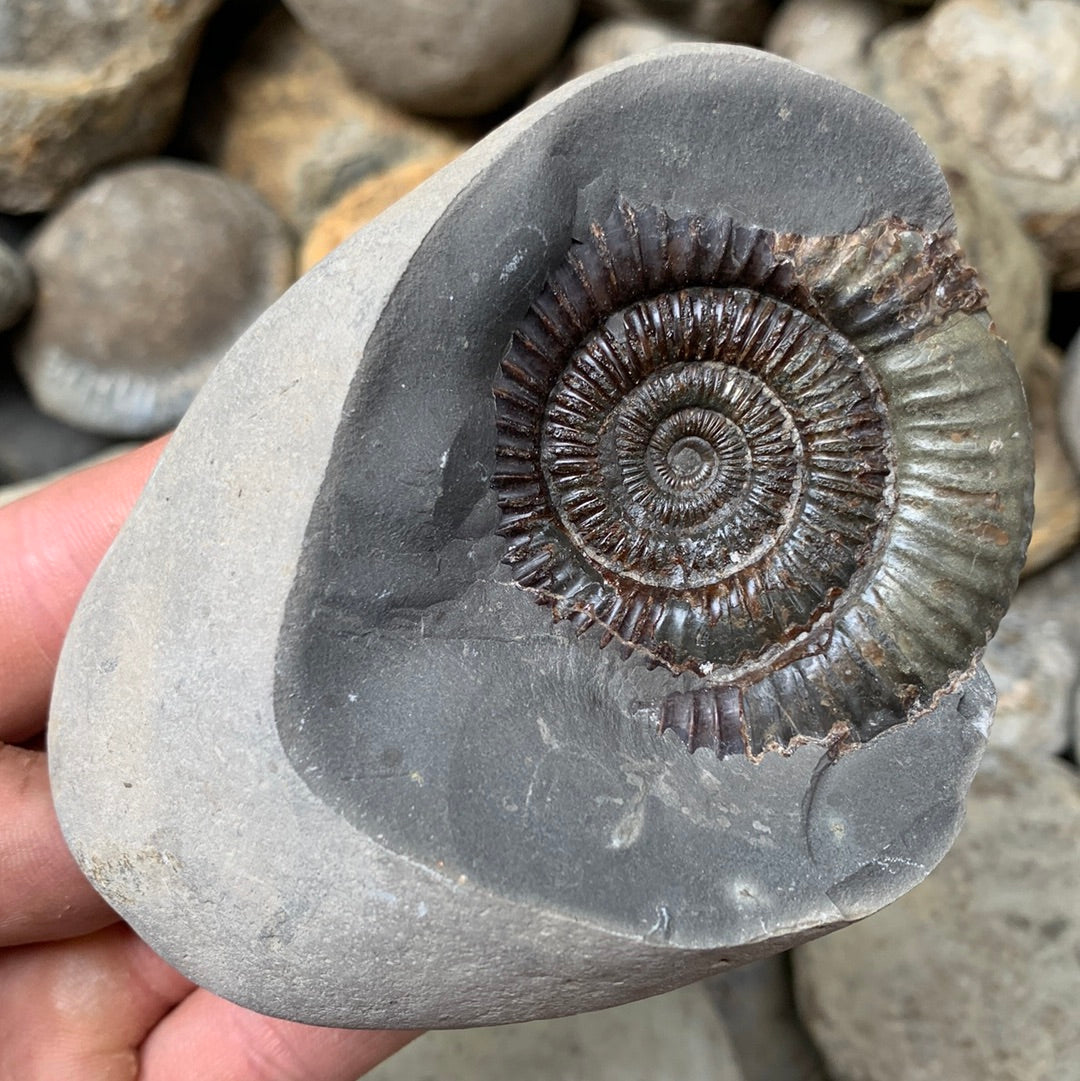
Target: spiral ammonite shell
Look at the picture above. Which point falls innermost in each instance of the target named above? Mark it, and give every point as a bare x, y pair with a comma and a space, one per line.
761, 459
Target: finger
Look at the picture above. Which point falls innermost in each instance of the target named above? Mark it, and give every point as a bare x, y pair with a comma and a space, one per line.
214, 1040
81, 1008
50, 543
43, 895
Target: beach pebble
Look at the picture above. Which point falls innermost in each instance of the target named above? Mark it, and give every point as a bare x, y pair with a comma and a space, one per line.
721, 20
85, 85
1034, 661
1001, 79
1069, 412
1056, 525
145, 278
286, 120
829, 36
674, 1037
757, 1002
367, 200
16, 286
455, 58
973, 976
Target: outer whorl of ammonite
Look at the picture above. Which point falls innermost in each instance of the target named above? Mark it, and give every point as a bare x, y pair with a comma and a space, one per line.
754, 458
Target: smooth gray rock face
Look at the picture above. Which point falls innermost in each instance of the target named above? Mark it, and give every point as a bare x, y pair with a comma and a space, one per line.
85, 85
1034, 661
330, 761
455, 58
672, 1037
146, 277
973, 976
16, 286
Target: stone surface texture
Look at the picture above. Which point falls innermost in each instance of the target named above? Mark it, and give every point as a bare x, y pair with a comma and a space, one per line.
16, 286
1034, 661
757, 1002
86, 85
829, 36
368, 199
1056, 525
672, 1037
974, 974
1000, 78
391, 788
721, 20
146, 277
286, 120
455, 58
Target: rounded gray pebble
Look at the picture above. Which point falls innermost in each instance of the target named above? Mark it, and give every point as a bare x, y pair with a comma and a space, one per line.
16, 286
455, 58
146, 277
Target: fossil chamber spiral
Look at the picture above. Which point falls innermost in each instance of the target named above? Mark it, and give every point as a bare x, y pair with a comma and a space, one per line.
788, 468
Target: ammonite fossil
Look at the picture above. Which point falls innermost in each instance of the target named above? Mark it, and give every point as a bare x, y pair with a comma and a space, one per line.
767, 459
753, 444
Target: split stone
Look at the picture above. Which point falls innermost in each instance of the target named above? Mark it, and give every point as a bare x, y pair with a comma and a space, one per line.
366, 201
999, 80
674, 1037
830, 36
1056, 525
721, 20
973, 975
286, 120
1034, 661
86, 85
309, 738
757, 1002
16, 286
145, 278
455, 58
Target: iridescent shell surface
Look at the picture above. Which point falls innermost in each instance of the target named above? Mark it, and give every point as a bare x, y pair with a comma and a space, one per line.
770, 460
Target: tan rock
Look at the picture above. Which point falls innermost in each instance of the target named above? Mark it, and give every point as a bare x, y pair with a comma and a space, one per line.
286, 120
84, 85
367, 200
829, 36
1056, 527
1000, 81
